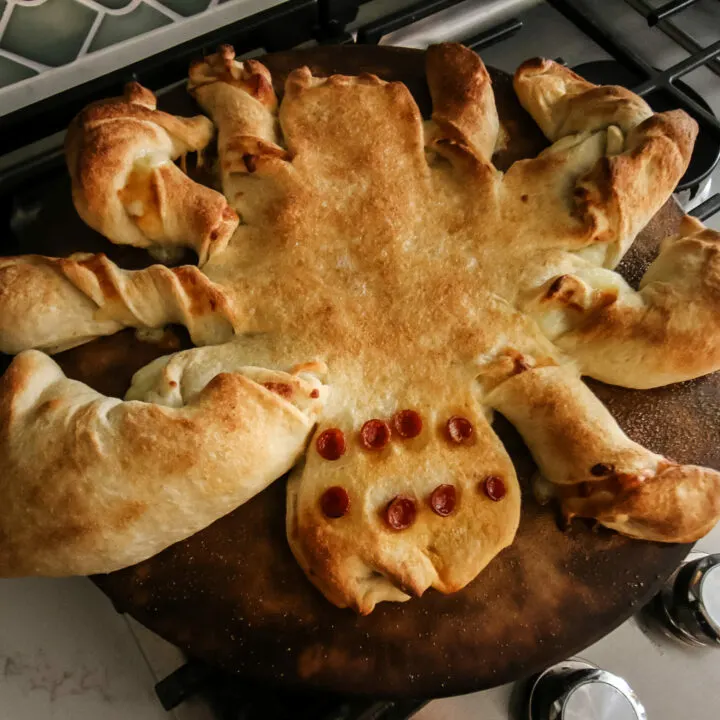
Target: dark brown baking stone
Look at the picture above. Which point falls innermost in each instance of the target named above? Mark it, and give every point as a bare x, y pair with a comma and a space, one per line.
234, 596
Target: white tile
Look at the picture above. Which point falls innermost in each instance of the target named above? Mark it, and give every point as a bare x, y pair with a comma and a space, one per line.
65, 654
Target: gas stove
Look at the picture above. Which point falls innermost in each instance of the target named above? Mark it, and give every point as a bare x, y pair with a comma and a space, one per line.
661, 664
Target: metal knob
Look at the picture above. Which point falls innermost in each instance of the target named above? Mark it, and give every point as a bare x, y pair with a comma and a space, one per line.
689, 603
577, 690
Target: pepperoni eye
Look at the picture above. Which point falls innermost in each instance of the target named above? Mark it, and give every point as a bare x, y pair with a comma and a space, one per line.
315, 393
375, 434
443, 499
407, 423
459, 429
400, 513
495, 487
331, 444
601, 469
335, 502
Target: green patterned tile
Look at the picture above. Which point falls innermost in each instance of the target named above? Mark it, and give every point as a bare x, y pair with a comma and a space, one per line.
114, 4
116, 28
12, 72
186, 7
51, 33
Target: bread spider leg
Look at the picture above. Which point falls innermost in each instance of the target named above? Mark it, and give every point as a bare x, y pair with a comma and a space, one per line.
64, 446
591, 466
53, 304
120, 156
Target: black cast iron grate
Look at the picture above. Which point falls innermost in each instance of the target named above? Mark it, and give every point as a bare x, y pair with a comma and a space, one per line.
594, 27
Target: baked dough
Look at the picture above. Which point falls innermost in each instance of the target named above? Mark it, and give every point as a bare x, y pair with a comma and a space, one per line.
240, 98
125, 185
91, 484
76, 299
428, 289
595, 469
615, 334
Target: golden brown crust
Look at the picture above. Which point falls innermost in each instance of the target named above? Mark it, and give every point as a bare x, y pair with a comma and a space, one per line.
621, 193
680, 503
240, 98
620, 184
403, 270
667, 332
463, 101
125, 185
562, 103
93, 484
53, 304
596, 470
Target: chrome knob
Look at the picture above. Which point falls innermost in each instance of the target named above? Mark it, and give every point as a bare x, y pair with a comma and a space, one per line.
578, 690
689, 603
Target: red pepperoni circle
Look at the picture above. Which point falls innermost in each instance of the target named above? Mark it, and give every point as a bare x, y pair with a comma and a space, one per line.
495, 487
443, 499
407, 423
331, 444
375, 434
400, 513
315, 393
335, 502
459, 429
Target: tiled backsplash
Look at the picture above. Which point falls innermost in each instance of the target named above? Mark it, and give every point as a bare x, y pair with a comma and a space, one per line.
36, 35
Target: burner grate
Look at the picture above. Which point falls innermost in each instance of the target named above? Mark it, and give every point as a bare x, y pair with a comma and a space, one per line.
658, 80
683, 39
594, 28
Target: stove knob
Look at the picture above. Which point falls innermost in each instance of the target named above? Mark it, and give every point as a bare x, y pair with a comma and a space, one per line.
692, 600
578, 690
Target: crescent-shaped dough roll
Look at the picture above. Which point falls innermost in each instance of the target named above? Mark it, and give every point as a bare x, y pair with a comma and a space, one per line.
125, 185
91, 484
563, 103
239, 97
463, 101
667, 332
53, 304
595, 470
645, 155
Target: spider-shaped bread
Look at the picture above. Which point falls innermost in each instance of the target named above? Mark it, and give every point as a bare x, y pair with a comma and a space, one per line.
388, 289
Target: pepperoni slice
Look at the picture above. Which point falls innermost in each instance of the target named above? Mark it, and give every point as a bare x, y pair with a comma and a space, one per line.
459, 429
375, 434
331, 444
400, 513
335, 502
315, 393
284, 390
443, 499
407, 423
495, 487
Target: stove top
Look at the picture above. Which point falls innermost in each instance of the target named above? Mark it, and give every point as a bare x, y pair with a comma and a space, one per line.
671, 680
